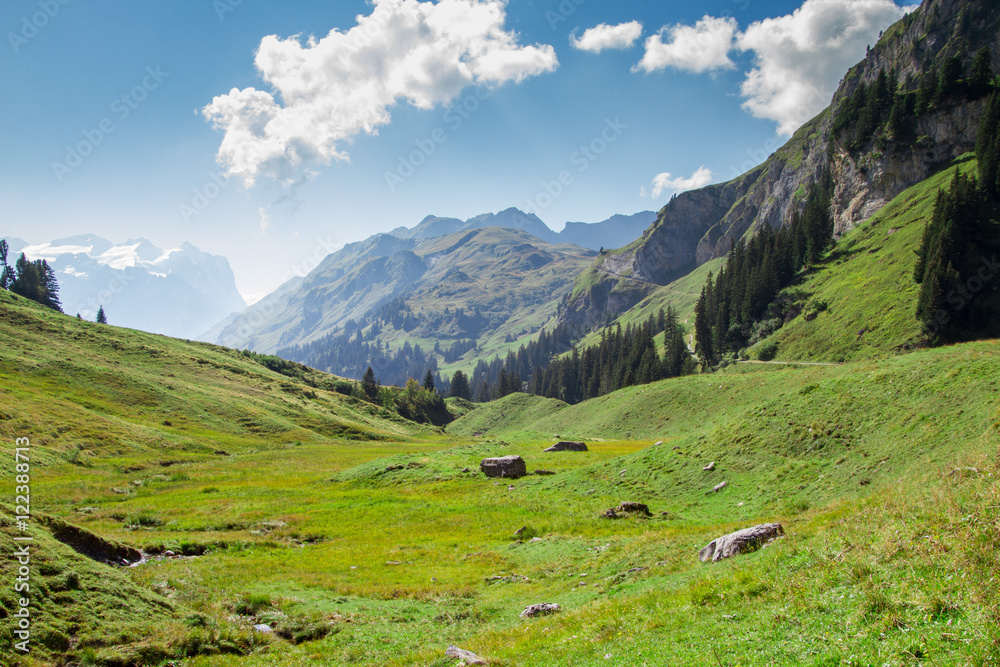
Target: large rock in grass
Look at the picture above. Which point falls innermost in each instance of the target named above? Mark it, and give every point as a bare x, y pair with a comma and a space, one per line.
541, 609
468, 657
567, 446
740, 542
504, 466
627, 508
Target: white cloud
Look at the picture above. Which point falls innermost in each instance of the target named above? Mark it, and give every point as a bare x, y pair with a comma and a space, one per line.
801, 57
265, 220
666, 183
326, 91
699, 48
606, 36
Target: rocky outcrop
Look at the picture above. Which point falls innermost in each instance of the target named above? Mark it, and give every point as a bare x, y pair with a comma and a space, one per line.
567, 446
866, 183
511, 467
740, 542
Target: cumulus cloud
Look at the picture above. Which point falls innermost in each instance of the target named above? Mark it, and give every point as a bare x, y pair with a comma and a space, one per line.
666, 183
800, 57
703, 47
606, 36
324, 92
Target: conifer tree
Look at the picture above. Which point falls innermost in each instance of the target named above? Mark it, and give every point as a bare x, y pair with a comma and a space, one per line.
369, 385
460, 386
36, 281
981, 76
988, 147
484, 393
101, 317
6, 273
951, 251
429, 381
950, 83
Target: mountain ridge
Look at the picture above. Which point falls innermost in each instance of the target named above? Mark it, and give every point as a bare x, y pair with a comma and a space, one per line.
700, 225
333, 293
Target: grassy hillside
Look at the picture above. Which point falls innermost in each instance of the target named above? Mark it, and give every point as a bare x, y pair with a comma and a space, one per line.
828, 431
359, 539
866, 283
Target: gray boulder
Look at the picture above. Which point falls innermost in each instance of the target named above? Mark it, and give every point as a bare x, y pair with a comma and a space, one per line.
468, 657
626, 508
566, 446
541, 609
504, 466
740, 542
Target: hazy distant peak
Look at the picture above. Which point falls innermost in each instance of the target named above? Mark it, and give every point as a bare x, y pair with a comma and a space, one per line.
97, 244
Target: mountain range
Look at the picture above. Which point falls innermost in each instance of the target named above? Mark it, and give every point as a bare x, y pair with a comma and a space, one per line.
637, 266
179, 292
615, 232
508, 268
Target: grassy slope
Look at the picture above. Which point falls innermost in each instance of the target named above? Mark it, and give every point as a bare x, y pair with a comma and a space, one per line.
802, 434
115, 416
867, 282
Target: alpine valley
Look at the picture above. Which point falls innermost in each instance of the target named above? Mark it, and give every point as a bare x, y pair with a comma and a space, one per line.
760, 426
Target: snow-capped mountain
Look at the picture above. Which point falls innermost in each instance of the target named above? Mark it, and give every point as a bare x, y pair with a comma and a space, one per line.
179, 292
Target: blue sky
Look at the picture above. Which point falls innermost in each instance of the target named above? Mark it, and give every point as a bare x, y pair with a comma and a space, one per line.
104, 126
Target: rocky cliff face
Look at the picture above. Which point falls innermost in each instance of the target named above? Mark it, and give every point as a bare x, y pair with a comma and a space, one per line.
865, 185
700, 225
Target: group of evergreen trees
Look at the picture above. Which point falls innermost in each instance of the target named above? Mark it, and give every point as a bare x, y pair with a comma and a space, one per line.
887, 110
347, 353
506, 375
956, 255
33, 280
622, 359
421, 404
738, 307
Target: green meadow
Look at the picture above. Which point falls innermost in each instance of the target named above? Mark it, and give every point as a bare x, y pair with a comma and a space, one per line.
359, 538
